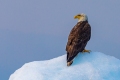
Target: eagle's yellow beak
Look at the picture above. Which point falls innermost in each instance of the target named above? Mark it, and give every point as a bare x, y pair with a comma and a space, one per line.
77, 17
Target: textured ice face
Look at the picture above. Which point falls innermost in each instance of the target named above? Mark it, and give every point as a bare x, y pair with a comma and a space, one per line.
93, 66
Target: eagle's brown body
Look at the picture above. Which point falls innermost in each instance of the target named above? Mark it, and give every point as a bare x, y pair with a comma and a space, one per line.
77, 40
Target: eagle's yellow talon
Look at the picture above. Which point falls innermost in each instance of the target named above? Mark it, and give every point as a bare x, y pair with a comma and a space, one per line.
86, 51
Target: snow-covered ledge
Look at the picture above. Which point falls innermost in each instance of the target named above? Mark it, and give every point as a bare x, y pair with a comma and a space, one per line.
93, 66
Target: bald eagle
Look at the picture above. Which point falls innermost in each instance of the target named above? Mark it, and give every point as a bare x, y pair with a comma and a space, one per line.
78, 38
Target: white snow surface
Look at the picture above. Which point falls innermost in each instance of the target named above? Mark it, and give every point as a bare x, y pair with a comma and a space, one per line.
93, 66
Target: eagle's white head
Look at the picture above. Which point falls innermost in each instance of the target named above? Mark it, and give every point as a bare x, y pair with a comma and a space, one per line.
81, 17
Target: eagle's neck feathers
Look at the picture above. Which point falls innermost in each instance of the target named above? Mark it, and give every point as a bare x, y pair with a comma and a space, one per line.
83, 19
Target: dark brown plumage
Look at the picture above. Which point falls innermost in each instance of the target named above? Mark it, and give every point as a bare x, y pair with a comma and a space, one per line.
77, 40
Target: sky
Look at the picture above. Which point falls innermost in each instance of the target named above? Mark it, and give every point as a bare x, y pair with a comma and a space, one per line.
34, 30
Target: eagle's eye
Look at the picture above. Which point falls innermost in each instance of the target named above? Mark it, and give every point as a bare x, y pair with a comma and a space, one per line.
79, 15
82, 15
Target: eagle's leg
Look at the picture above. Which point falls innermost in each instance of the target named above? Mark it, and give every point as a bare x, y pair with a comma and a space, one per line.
86, 51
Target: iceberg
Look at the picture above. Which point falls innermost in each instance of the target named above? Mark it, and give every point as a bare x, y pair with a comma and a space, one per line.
93, 66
